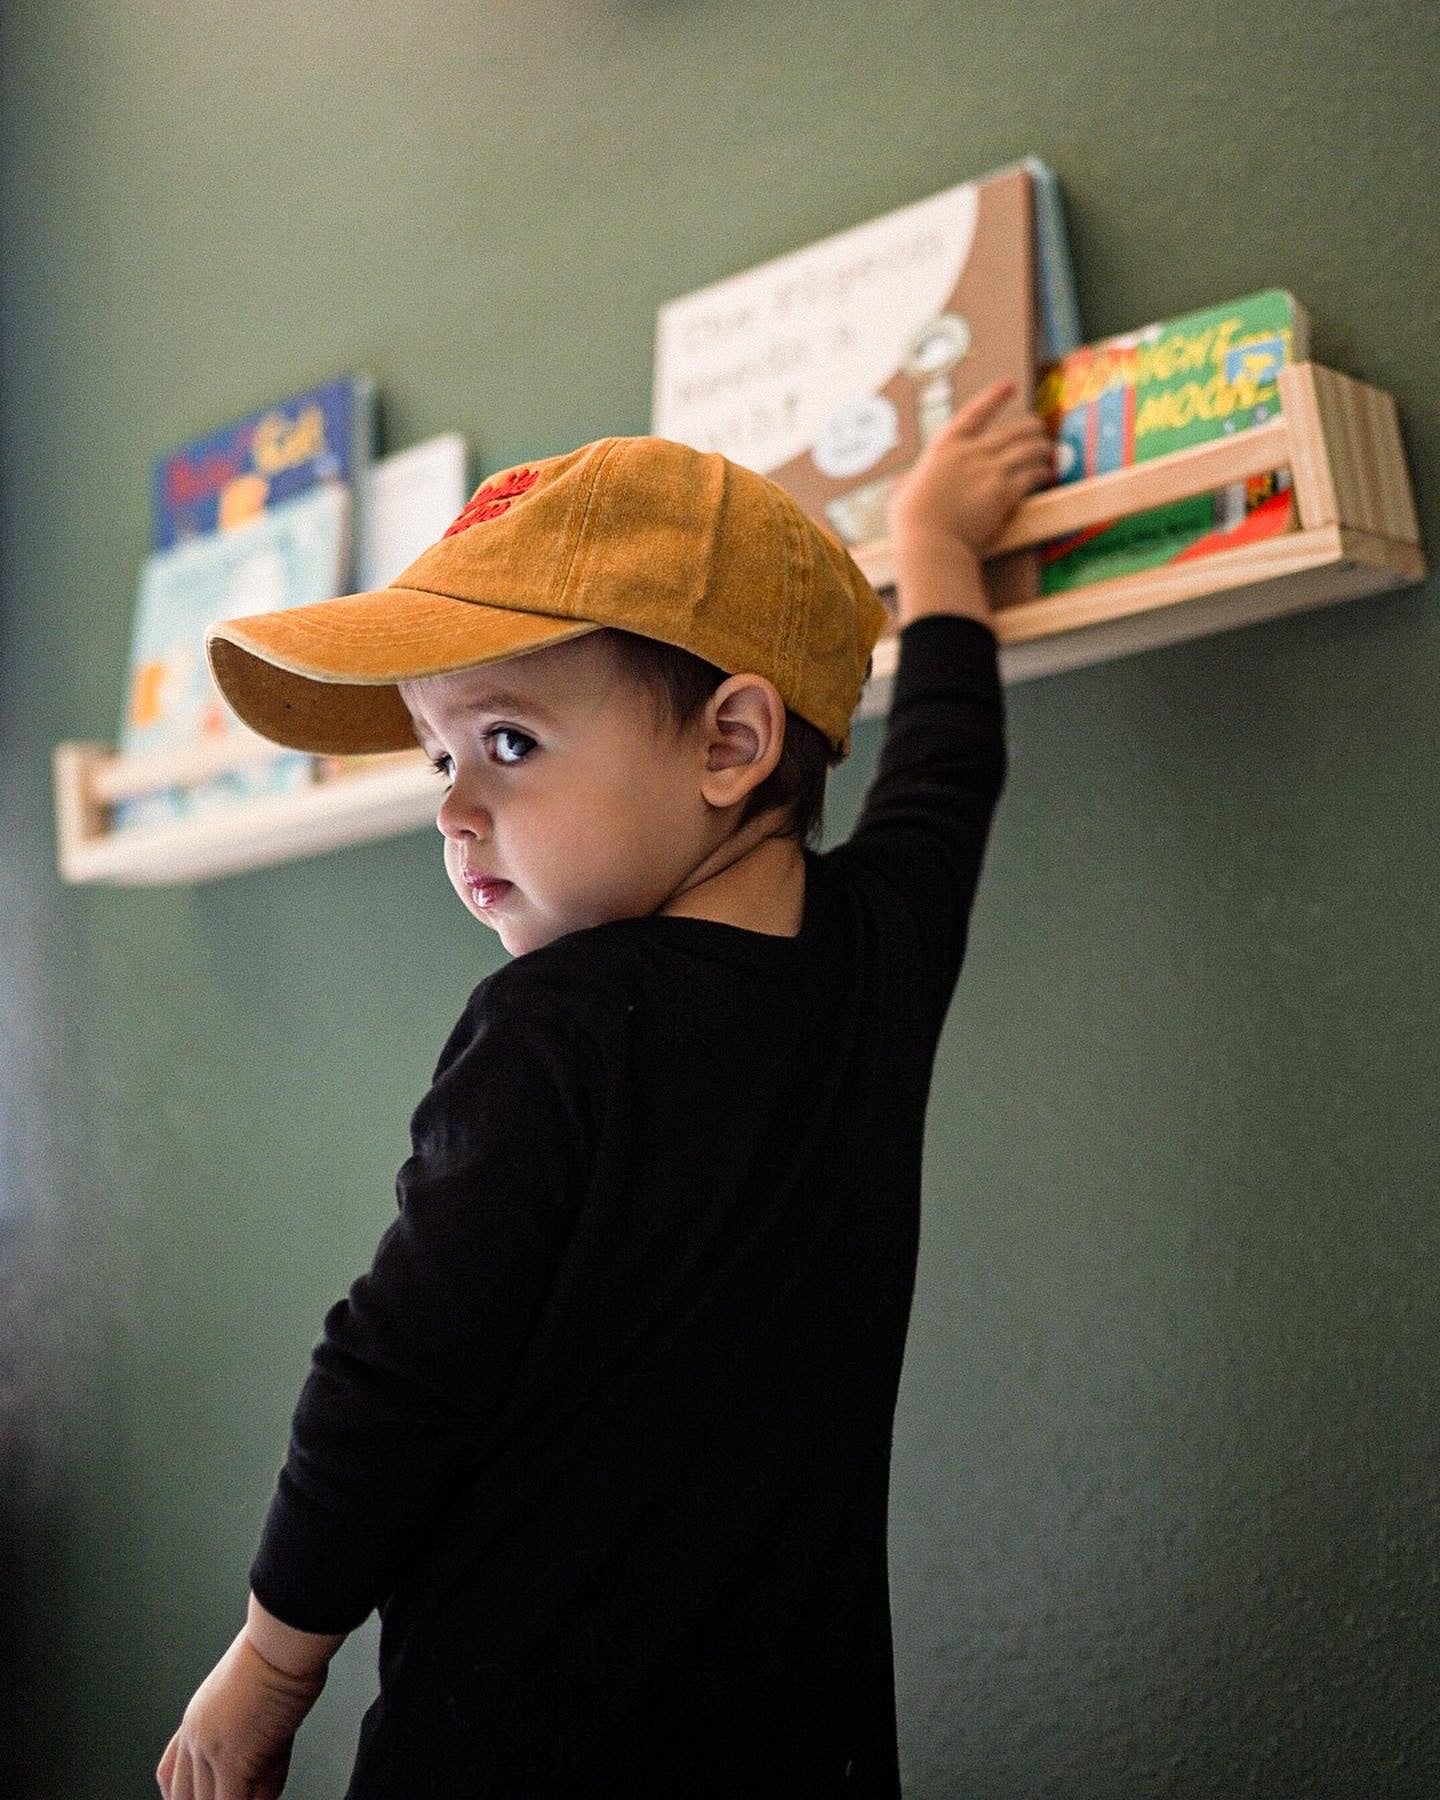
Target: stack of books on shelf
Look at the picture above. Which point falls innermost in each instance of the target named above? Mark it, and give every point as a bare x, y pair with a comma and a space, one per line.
829, 369
1127, 399
285, 506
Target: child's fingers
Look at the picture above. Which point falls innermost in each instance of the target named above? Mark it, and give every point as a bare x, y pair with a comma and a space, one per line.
168, 1775
1030, 429
1040, 475
1026, 450
1037, 469
978, 411
182, 1784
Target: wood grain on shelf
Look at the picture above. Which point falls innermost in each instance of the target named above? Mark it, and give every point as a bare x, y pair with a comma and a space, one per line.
1056, 512
1320, 568
1349, 462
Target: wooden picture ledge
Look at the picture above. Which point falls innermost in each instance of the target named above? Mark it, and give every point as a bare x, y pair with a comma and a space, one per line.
1357, 534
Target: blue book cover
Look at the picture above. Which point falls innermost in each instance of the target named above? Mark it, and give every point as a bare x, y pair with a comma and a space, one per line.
216, 482
291, 554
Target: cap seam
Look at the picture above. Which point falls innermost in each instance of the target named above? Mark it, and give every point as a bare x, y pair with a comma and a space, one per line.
796, 598
562, 593
510, 605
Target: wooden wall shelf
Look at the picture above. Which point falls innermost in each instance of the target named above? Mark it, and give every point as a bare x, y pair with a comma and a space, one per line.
1358, 534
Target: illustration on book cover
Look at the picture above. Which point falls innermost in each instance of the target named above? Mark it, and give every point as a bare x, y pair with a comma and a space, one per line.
829, 369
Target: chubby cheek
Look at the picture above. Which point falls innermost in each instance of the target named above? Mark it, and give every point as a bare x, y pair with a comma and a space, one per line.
506, 930
591, 844
457, 880
452, 865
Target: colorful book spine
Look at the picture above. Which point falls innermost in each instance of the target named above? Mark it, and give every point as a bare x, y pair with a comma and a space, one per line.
1057, 309
1127, 399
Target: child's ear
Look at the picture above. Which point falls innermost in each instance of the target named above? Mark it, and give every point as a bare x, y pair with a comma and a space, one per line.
745, 732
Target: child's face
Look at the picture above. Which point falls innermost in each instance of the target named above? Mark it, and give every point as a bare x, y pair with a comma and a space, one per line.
564, 789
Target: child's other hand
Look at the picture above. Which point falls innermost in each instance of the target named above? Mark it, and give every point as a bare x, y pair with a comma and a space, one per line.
971, 476
235, 1739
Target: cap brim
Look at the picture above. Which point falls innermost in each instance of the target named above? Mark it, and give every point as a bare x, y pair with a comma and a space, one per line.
322, 677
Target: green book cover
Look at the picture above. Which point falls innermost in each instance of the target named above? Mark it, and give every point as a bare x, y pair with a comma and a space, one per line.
1143, 394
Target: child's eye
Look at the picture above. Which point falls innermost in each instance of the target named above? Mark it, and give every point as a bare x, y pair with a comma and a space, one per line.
442, 765
509, 731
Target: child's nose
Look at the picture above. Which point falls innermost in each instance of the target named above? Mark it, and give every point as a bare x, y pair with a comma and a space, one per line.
462, 816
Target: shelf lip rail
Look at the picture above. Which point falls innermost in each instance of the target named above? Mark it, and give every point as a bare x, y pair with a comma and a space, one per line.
1060, 511
1057, 512
125, 777
1338, 438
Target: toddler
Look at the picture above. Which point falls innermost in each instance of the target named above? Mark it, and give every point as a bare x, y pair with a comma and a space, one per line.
604, 1431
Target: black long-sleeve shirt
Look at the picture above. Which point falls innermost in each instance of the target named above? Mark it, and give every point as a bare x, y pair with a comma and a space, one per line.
605, 1430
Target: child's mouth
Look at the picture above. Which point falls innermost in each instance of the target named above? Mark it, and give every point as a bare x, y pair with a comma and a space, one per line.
487, 893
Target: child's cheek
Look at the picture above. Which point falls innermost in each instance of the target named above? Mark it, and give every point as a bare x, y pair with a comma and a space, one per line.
452, 866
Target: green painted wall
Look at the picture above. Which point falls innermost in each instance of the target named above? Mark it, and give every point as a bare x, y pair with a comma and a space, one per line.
1164, 1504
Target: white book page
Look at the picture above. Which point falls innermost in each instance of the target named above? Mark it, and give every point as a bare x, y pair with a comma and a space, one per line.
413, 496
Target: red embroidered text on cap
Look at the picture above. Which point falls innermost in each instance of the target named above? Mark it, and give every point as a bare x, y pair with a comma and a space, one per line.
493, 499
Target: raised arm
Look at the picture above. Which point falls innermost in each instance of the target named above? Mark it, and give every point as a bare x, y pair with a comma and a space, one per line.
923, 828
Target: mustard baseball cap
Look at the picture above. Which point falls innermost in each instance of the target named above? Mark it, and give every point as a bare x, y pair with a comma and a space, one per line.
639, 533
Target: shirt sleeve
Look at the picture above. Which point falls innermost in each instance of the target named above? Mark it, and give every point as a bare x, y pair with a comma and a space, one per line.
415, 1360
926, 818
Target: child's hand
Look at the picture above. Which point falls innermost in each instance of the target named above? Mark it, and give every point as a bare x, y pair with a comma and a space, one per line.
971, 476
235, 1739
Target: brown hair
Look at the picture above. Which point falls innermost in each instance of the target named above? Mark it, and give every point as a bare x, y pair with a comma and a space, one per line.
678, 683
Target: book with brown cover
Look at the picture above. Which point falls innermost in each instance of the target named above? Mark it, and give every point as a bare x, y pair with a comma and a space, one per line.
829, 368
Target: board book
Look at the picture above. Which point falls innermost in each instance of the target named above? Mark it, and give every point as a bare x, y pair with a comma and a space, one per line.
273, 503
1183, 381
829, 368
215, 482
288, 555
